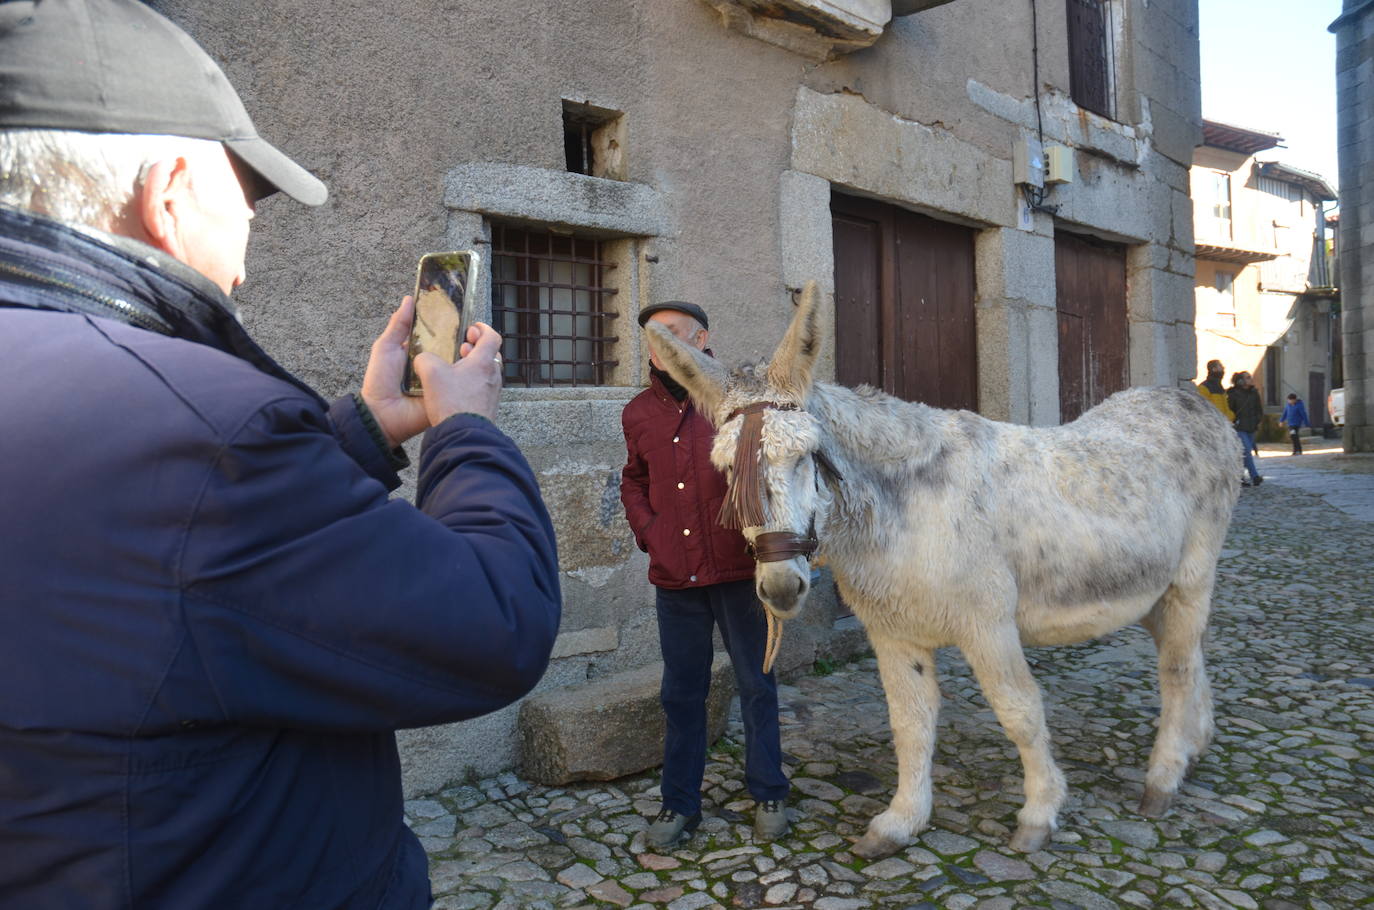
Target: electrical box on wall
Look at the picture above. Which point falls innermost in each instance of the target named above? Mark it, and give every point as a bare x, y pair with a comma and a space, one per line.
1028, 162
1059, 164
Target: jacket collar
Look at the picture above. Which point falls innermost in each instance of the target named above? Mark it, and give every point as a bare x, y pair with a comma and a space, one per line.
51, 265
661, 392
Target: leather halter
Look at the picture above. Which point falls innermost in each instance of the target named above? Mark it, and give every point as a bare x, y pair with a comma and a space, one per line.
778, 546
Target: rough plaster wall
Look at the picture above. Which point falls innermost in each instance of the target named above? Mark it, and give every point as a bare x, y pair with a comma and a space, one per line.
380, 106
719, 105
920, 69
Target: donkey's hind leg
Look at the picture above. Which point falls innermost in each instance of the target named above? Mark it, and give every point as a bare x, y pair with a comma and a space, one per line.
999, 663
913, 704
1178, 623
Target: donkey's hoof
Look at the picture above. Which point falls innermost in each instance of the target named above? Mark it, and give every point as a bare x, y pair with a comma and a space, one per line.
1155, 802
1029, 838
875, 846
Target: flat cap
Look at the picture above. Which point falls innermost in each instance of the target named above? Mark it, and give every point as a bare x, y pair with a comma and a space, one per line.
681, 306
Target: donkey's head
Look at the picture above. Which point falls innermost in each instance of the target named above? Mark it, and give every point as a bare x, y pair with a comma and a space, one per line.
769, 448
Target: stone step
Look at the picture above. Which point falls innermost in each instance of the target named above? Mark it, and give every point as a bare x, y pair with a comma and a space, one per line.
609, 727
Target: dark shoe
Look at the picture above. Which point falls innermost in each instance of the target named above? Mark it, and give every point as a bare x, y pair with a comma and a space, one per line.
1257, 481
670, 827
1246, 483
770, 820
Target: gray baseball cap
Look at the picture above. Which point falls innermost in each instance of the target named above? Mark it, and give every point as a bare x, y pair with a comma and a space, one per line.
116, 66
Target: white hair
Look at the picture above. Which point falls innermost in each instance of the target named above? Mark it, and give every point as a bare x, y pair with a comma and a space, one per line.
82, 178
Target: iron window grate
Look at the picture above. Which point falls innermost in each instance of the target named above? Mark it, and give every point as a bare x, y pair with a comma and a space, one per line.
550, 304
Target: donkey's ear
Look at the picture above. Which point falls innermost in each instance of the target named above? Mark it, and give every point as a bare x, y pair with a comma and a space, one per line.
790, 369
702, 376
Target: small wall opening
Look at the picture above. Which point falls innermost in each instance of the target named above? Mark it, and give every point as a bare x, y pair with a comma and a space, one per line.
594, 140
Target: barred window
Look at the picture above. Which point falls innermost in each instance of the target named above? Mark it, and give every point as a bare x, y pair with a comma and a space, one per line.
1089, 55
551, 306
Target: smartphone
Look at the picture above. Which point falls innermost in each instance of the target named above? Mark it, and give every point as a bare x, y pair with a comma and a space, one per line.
445, 289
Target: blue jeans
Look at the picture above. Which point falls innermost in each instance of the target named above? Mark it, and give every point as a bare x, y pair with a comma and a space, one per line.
685, 620
1248, 440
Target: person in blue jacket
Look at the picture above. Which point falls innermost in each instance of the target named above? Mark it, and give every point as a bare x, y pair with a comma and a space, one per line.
214, 617
1295, 418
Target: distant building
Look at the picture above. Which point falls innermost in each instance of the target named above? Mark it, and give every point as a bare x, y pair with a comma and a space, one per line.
1355, 150
992, 196
1266, 302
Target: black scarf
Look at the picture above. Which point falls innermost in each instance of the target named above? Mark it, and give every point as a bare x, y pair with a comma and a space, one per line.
669, 383
1213, 385
50, 265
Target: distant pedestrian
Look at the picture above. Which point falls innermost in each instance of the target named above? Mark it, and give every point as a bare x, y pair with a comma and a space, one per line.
1244, 401
1295, 418
1212, 389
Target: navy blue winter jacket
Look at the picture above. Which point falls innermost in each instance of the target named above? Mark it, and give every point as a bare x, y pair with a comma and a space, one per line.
212, 618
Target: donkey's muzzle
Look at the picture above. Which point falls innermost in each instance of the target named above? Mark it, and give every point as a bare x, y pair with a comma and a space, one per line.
780, 546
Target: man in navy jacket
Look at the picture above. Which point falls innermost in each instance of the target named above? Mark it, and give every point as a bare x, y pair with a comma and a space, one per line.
214, 618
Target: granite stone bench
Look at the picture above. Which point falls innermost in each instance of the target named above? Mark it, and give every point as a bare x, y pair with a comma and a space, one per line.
609, 727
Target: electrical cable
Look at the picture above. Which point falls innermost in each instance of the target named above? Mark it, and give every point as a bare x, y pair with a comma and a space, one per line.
1035, 195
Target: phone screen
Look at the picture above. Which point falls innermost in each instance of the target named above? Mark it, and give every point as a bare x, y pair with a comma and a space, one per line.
444, 286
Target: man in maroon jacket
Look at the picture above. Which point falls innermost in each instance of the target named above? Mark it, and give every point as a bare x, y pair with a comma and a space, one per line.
704, 576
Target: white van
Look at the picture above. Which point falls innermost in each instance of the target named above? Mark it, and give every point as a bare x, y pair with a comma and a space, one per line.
1335, 406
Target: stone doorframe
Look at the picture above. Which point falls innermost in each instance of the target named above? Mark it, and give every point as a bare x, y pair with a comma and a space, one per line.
844, 141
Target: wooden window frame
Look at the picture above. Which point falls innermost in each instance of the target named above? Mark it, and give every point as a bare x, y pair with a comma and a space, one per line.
1226, 293
1091, 55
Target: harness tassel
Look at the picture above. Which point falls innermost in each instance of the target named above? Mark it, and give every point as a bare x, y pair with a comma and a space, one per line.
743, 505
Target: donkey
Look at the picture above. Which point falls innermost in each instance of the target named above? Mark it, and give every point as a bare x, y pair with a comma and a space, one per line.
945, 528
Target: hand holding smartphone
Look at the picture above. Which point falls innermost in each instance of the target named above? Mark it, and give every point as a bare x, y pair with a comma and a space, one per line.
445, 302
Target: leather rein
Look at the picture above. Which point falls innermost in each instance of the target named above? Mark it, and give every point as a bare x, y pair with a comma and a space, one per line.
774, 546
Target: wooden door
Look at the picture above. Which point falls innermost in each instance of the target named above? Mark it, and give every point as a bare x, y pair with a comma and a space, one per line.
904, 295
1094, 336
858, 304
1316, 400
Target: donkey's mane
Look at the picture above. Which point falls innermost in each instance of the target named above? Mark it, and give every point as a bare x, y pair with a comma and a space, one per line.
881, 445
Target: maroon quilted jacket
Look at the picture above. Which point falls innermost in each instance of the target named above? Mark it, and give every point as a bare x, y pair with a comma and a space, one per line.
672, 494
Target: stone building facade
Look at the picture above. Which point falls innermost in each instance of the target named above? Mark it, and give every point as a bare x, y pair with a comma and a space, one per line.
603, 154
1266, 302
1355, 155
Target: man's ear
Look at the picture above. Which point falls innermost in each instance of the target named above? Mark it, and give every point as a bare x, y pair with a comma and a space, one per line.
166, 187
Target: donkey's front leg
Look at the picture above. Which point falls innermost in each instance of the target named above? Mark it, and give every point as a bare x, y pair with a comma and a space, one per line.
913, 703
999, 663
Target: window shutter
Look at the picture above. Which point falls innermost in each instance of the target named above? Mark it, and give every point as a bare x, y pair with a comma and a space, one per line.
1088, 73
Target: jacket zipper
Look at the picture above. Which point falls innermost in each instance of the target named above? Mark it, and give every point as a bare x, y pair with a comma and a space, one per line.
122, 309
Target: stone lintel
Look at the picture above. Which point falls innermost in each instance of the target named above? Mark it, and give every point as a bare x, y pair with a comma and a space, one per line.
844, 139
593, 205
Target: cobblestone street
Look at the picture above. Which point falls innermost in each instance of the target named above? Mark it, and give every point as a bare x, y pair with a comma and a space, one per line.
1279, 812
